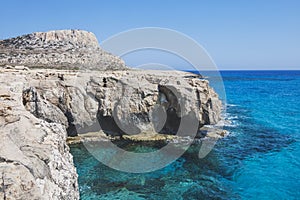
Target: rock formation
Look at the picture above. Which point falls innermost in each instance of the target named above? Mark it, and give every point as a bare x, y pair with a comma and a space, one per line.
121, 102
40, 107
35, 162
72, 49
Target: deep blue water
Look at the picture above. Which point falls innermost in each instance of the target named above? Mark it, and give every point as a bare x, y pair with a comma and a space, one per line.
260, 159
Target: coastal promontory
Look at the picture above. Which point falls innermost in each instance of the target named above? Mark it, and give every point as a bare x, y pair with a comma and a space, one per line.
46, 97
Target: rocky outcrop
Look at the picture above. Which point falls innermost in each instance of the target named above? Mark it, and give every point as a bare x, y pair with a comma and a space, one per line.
64, 49
35, 162
40, 107
120, 102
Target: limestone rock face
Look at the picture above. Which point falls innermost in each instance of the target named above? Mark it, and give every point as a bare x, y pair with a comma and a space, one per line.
66, 49
120, 102
35, 162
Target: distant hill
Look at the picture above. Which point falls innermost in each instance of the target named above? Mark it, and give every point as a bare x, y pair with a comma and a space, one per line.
61, 49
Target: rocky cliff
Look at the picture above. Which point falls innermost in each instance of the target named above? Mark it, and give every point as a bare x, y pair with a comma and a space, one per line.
120, 102
40, 107
35, 162
62, 49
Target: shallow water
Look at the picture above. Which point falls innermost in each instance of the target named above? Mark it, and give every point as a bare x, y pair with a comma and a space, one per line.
260, 159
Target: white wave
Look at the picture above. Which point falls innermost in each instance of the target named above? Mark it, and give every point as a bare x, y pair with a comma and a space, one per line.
228, 120
227, 123
231, 105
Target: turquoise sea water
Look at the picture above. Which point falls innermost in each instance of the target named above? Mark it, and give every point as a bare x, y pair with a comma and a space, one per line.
260, 159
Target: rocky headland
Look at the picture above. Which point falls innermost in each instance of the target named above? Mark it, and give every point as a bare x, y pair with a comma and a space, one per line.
44, 99
67, 49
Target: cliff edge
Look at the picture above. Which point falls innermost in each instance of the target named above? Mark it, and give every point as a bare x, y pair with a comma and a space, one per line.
42, 105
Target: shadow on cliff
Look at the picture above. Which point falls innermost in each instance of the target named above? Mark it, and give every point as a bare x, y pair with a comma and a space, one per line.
165, 118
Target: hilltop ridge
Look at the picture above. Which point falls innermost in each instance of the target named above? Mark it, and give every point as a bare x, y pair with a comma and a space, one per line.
61, 49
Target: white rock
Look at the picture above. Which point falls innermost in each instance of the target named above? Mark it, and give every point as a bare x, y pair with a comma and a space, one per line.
19, 67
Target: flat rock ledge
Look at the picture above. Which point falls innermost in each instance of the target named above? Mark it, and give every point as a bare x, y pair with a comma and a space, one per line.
101, 136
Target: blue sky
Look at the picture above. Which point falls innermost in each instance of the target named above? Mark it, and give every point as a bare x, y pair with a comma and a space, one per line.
257, 34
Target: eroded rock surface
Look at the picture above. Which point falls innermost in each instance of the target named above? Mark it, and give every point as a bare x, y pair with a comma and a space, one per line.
35, 162
120, 102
